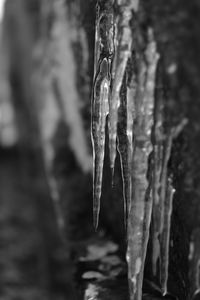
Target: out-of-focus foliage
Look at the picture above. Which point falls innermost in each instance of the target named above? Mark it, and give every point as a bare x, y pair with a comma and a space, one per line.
8, 131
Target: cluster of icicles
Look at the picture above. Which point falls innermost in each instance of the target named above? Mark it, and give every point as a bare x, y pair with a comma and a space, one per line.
123, 99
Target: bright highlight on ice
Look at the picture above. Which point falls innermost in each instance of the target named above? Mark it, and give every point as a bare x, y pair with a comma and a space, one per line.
2, 2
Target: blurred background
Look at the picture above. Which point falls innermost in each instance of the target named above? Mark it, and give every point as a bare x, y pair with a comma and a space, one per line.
45, 151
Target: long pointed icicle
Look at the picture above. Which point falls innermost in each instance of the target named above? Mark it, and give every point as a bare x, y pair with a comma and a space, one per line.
141, 205
165, 237
194, 264
104, 32
171, 135
165, 211
152, 58
157, 153
104, 48
158, 138
161, 156
100, 109
126, 117
97, 42
131, 94
123, 148
163, 181
162, 199
122, 54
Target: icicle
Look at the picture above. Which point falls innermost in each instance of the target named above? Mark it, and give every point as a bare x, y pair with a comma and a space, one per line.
158, 138
165, 237
131, 94
141, 206
123, 148
159, 193
173, 133
165, 211
194, 264
163, 196
97, 42
104, 32
104, 50
157, 153
160, 187
122, 54
163, 181
126, 116
100, 109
